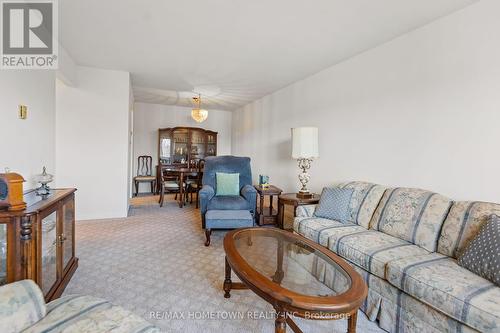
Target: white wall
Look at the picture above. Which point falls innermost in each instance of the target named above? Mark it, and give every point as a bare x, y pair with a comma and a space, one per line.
27, 145
66, 71
422, 110
130, 140
92, 135
148, 118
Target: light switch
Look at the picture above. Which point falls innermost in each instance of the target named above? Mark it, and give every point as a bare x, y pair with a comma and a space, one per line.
23, 112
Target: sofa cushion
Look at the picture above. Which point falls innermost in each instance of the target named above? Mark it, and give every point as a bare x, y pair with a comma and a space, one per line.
482, 255
334, 204
227, 183
21, 305
319, 229
462, 224
89, 314
364, 201
229, 202
413, 215
397, 311
439, 281
394, 310
372, 250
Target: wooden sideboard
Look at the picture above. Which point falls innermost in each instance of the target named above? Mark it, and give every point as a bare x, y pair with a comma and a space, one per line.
38, 242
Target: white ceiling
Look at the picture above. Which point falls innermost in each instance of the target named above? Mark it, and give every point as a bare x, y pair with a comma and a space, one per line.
234, 50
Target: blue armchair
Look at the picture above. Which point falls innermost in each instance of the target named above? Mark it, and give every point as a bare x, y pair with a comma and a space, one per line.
228, 164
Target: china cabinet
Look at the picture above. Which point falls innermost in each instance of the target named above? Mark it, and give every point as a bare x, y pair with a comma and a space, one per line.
38, 243
183, 147
180, 146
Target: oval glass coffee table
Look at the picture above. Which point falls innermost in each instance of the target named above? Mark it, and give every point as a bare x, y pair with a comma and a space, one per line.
287, 270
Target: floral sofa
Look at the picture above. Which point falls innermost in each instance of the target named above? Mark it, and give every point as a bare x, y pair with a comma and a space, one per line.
23, 309
404, 242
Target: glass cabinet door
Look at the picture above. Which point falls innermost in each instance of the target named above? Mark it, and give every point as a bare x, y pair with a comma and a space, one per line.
165, 147
211, 145
197, 145
68, 213
49, 252
3, 253
181, 145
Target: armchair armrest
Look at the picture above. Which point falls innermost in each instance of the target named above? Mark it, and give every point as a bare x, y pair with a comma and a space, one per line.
305, 210
206, 194
250, 194
23, 305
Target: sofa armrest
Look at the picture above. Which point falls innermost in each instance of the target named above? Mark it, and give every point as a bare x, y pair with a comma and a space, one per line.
206, 194
250, 194
305, 210
22, 305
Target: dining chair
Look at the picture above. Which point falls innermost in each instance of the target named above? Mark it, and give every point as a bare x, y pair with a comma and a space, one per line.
170, 184
195, 184
193, 164
144, 173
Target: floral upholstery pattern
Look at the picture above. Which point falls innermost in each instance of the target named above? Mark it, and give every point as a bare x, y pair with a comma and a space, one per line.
399, 312
411, 287
440, 282
372, 250
305, 210
395, 310
413, 215
89, 314
21, 305
319, 229
462, 224
364, 201
22, 308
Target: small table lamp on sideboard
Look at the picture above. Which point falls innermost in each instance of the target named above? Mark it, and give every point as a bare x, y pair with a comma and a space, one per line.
304, 149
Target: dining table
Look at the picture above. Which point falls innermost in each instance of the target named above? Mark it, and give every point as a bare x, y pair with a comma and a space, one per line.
182, 174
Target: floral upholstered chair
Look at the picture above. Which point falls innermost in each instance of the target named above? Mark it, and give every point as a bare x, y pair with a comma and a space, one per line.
23, 309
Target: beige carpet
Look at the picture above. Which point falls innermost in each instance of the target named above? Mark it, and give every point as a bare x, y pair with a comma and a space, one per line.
154, 264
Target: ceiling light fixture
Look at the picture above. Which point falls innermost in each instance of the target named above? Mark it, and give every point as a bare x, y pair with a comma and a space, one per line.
198, 114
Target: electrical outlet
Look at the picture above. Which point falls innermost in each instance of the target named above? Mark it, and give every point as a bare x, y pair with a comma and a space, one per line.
23, 112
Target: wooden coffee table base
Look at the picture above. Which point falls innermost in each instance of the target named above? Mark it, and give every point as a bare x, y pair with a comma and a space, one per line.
351, 322
229, 285
282, 316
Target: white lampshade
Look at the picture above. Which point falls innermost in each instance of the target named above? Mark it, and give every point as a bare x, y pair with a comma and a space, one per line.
305, 142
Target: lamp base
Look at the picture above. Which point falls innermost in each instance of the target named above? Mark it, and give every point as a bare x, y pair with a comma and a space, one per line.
304, 195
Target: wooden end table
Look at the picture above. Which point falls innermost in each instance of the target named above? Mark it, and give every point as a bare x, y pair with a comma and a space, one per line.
267, 215
291, 199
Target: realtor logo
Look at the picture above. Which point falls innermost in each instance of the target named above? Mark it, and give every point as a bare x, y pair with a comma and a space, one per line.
29, 34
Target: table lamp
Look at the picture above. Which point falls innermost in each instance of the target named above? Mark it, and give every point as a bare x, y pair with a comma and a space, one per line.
304, 150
